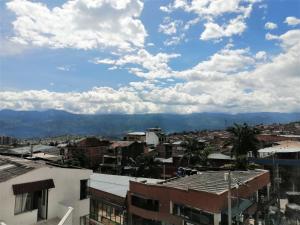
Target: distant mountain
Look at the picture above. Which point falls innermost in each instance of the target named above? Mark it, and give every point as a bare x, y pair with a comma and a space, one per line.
27, 124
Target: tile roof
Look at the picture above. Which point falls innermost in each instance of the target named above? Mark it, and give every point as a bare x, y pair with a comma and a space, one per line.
212, 181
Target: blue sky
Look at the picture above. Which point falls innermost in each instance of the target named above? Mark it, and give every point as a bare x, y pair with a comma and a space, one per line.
179, 56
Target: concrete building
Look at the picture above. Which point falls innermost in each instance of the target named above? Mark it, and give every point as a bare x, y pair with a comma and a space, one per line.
108, 198
121, 154
91, 148
196, 199
33, 192
136, 136
5, 140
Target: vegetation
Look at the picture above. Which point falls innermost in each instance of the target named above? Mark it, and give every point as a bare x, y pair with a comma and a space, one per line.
243, 141
196, 152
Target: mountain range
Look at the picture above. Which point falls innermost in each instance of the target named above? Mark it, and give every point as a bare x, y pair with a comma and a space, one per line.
29, 124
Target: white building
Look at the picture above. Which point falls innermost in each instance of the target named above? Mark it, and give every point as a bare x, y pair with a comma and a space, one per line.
33, 192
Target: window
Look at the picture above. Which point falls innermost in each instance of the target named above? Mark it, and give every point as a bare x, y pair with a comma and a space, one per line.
83, 189
106, 213
24, 202
193, 215
144, 203
84, 220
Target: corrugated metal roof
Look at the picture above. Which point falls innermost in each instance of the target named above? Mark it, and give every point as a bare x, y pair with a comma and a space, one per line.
283, 147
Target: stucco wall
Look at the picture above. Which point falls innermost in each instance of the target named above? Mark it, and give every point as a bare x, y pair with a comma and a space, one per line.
67, 190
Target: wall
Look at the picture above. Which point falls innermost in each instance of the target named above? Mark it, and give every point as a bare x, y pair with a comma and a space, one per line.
67, 190
208, 202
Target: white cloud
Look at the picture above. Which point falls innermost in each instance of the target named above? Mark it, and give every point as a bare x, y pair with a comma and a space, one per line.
210, 10
175, 40
10, 48
80, 24
212, 30
261, 55
169, 27
65, 68
146, 65
270, 26
292, 21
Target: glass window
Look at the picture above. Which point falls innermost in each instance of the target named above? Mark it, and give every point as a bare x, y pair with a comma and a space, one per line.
144, 203
24, 203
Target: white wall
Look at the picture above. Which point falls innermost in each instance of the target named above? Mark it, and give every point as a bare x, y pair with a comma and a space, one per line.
152, 138
67, 190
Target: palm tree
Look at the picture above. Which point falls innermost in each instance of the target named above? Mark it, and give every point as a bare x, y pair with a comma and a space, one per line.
194, 150
243, 140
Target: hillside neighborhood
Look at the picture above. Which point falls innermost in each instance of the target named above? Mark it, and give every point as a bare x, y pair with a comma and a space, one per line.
240, 175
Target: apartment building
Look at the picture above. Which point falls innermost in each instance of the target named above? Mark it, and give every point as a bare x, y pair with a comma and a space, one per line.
34, 192
199, 199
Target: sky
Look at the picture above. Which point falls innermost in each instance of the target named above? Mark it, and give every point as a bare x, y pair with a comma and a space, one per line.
151, 56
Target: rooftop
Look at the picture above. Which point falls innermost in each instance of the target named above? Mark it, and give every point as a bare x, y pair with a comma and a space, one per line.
212, 181
25, 150
114, 184
121, 144
137, 133
283, 147
11, 167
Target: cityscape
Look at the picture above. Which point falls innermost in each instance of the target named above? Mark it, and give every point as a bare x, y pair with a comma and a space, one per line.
150, 112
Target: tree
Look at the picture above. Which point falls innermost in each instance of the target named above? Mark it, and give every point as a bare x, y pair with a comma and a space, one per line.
243, 140
147, 167
193, 150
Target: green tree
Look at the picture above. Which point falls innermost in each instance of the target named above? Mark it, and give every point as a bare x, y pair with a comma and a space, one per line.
243, 141
147, 167
193, 150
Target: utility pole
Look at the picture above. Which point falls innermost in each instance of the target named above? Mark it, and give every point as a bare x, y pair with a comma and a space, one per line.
229, 198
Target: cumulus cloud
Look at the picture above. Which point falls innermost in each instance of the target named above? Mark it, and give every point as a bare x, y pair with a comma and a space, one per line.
212, 30
146, 65
169, 27
80, 24
292, 21
270, 26
209, 11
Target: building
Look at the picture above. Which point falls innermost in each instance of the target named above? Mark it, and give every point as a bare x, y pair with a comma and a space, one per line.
198, 199
33, 192
108, 195
283, 161
136, 136
154, 136
91, 148
121, 154
5, 140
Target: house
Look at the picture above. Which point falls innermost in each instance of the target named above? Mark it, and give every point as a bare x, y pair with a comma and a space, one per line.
197, 199
120, 154
34, 192
108, 195
91, 149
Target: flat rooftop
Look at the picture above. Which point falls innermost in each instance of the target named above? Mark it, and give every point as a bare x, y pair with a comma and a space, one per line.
115, 184
282, 147
212, 181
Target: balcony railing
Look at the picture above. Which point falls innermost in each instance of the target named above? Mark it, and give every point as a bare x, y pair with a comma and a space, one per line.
67, 218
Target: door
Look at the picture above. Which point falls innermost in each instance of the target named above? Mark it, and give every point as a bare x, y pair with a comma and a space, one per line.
43, 204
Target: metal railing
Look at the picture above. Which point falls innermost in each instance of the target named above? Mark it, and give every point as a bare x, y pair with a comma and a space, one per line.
67, 218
